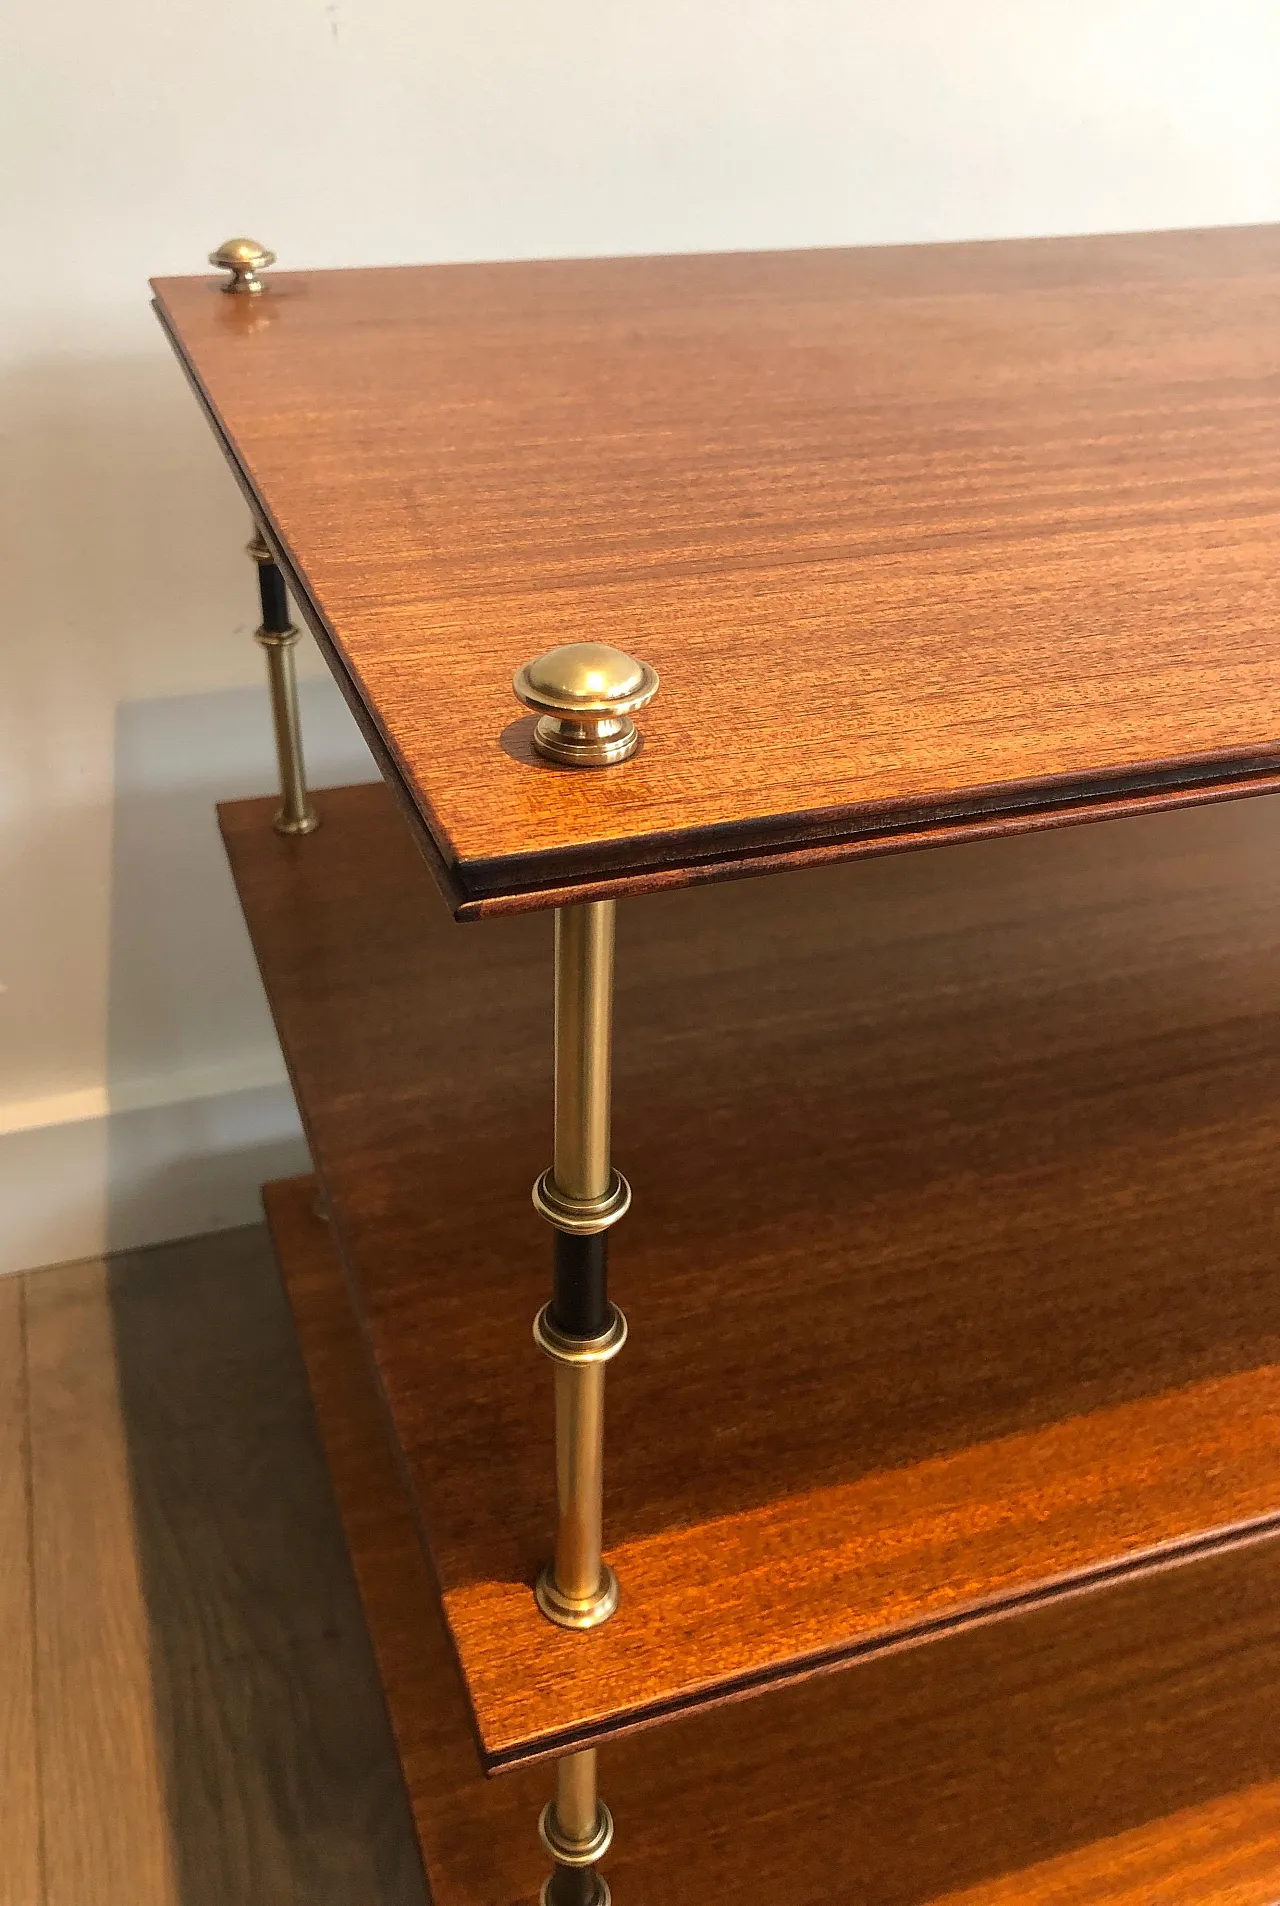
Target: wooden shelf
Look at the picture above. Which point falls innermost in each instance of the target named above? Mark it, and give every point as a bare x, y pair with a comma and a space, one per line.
951, 1269
924, 542
1124, 1754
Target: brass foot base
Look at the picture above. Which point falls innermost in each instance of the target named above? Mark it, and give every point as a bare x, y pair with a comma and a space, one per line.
603, 1896
296, 823
568, 1611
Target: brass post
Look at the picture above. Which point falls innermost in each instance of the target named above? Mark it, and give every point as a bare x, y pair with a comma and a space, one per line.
578, 1589
581, 1196
583, 697
584, 1048
278, 635
576, 1829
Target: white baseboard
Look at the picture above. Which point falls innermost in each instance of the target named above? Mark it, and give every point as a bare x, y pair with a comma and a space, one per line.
78, 1178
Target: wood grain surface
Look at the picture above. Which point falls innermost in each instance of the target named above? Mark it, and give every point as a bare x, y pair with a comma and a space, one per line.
281, 1784
915, 537
20, 1880
96, 1710
1116, 1751
950, 1274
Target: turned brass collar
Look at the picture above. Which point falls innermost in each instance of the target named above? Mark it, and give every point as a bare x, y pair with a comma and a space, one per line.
581, 1217
576, 1351
569, 1852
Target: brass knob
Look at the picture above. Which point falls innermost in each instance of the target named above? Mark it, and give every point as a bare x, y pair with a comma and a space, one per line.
584, 695
244, 258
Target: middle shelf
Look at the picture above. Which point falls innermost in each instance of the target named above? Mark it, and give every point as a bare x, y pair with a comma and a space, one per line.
950, 1271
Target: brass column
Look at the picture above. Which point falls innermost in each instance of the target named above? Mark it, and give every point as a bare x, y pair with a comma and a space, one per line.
581, 1196
244, 259
583, 696
278, 635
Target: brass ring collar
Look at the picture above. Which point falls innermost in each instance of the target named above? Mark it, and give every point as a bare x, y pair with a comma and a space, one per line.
581, 1217
578, 1612
568, 1852
576, 1351
278, 638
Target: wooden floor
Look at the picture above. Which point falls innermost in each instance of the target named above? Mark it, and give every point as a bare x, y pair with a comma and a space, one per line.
189, 1713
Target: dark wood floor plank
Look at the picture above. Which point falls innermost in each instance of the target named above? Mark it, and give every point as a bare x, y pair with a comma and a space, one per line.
1115, 1751
212, 1729
950, 1271
282, 1785
107, 1826
20, 1877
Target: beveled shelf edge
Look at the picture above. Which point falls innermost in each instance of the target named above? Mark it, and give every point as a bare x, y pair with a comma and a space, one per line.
744, 862
475, 890
1141, 1566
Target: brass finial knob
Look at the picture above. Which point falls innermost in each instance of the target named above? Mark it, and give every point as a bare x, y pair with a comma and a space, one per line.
585, 695
244, 258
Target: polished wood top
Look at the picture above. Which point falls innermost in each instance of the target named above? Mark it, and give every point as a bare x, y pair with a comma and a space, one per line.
1117, 1752
921, 540
951, 1268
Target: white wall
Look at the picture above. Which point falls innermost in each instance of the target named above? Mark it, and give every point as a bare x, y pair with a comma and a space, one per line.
141, 1094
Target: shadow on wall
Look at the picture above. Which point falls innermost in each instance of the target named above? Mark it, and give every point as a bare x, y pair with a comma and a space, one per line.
121, 538
201, 1112
141, 1085
135, 699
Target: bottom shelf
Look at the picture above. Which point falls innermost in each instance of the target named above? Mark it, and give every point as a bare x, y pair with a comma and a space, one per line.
1119, 1750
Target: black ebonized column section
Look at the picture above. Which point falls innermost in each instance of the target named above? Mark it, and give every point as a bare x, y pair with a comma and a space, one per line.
275, 599
580, 1298
574, 1886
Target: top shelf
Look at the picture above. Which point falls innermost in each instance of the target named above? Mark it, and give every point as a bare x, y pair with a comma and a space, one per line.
924, 542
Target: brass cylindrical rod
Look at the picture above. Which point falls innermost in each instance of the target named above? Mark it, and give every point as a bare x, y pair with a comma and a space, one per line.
577, 1831
584, 938
577, 1803
584, 1045
296, 816
278, 635
579, 1480
579, 1589
581, 1196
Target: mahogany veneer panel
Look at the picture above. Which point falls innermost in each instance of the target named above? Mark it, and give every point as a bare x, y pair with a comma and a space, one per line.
951, 1271
1117, 1752
920, 539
